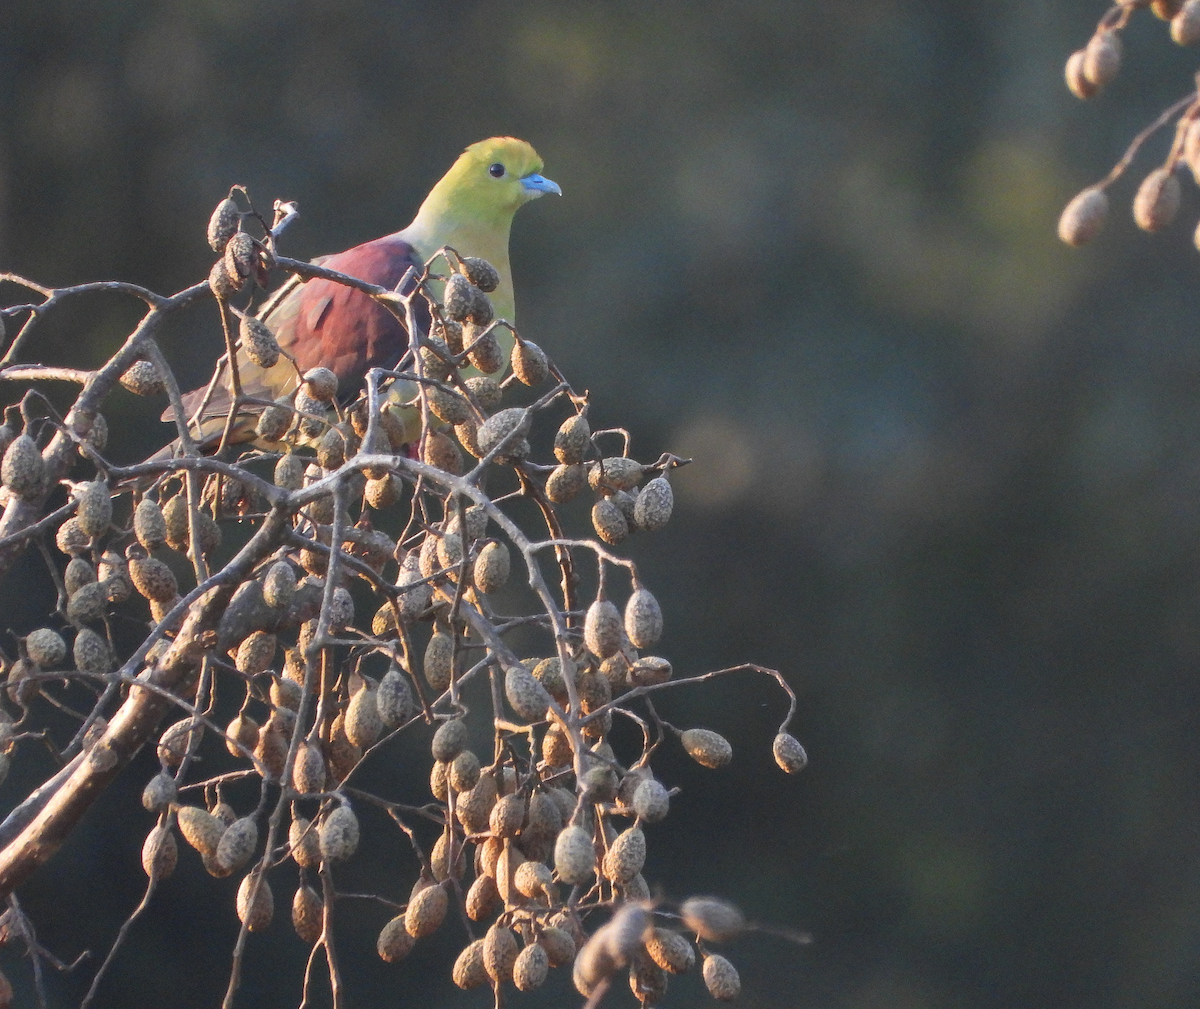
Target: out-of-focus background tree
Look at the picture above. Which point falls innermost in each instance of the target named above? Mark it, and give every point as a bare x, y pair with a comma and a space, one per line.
947, 471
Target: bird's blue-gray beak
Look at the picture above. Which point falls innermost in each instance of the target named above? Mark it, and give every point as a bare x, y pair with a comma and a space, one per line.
537, 185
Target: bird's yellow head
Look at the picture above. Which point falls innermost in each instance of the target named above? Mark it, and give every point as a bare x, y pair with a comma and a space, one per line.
489, 182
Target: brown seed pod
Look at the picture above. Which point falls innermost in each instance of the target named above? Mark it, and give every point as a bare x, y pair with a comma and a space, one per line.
649, 670
200, 829
1185, 26
614, 473
565, 482
142, 378
529, 363
438, 664
508, 428
394, 942
1157, 200
571, 440
289, 472
469, 971
482, 898
508, 815
149, 525
609, 521
643, 619
435, 357
556, 747
654, 504
721, 978
574, 856
222, 283
394, 698
530, 968
651, 801
426, 911
308, 772
23, 470
321, 384
90, 652
223, 224
533, 879
500, 952
338, 834
671, 951
240, 256
46, 648
458, 298
647, 980
279, 586
527, 697
383, 492
1084, 217
789, 754
261, 348
706, 747
241, 734
449, 740
481, 273
153, 579
486, 391
482, 313
558, 944
70, 539
255, 902
439, 859
363, 724
474, 806
114, 575
286, 693
304, 843
712, 919
491, 569
176, 739
1076, 78
160, 853
94, 509
463, 773
1102, 58
175, 515
256, 653
159, 793
237, 844
602, 628
626, 856
441, 453
272, 750
87, 603
308, 912
446, 405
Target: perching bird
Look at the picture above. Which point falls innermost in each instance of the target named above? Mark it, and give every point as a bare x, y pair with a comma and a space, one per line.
323, 323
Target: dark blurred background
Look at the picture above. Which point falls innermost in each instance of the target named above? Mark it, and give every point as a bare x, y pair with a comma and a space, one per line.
947, 475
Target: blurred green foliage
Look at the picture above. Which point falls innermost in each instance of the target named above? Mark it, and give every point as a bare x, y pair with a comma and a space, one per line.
946, 477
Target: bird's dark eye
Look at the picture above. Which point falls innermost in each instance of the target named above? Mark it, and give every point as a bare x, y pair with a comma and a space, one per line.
496, 170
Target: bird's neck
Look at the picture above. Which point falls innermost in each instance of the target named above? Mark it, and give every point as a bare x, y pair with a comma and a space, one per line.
437, 225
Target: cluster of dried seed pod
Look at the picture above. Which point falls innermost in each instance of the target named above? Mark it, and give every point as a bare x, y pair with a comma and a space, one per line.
375, 588
1157, 201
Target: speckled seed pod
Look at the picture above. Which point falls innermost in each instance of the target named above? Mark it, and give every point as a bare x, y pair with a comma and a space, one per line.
512, 424
1102, 58
474, 807
394, 942
558, 944
643, 619
533, 879
529, 363
289, 472
363, 724
175, 515
458, 298
200, 829
160, 852
46, 648
654, 504
153, 579
651, 800
647, 980
789, 754
23, 471
159, 793
481, 273
648, 670
70, 539
94, 509
273, 422
602, 628
271, 750
439, 783
491, 568
447, 405
1157, 200
500, 952
712, 919
113, 573
449, 740
571, 440
482, 311
394, 698
426, 911
469, 971
142, 378
286, 693
304, 843
338, 835
508, 815
223, 284
706, 747
574, 856
548, 672
671, 951
530, 968
527, 697
383, 492
176, 738
463, 773
308, 772
307, 914
149, 526
240, 254
441, 453
626, 855
256, 653
565, 482
91, 652
556, 747
260, 344
255, 902
279, 585
223, 225
614, 473
439, 859
609, 521
721, 978
87, 603
241, 734
237, 843
482, 898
